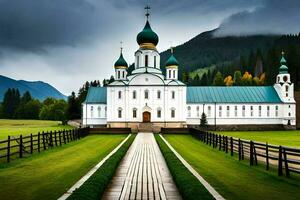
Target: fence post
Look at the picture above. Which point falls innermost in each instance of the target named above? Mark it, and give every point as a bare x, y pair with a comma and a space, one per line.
223, 137
21, 147
231, 146
8, 149
206, 135
73, 133
67, 133
31, 143
251, 153
226, 144
39, 142
242, 149
64, 136
239, 147
267, 156
51, 139
220, 142
280, 161
55, 135
286, 166
44, 144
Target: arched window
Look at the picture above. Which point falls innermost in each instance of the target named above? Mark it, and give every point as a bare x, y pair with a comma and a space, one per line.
173, 113
99, 111
198, 111
243, 111
235, 111
119, 74
173, 73
92, 111
146, 60
259, 111
251, 111
169, 73
276, 111
227, 111
134, 111
209, 111
154, 61
123, 74
134, 94
286, 88
268, 111
119, 112
173, 94
105, 113
158, 112
189, 111
158, 94
120, 94
220, 111
146, 94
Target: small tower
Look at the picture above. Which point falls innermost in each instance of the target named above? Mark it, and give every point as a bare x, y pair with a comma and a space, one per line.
172, 67
121, 67
283, 82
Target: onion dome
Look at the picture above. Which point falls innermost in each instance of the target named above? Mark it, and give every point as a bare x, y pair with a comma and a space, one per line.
172, 61
283, 69
121, 62
147, 37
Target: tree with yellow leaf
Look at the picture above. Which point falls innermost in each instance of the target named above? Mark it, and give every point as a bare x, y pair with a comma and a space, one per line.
228, 81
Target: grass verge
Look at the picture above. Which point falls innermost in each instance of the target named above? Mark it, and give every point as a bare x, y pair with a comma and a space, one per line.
51, 173
188, 185
232, 178
95, 186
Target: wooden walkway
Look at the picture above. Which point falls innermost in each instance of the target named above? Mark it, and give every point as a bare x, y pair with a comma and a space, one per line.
143, 173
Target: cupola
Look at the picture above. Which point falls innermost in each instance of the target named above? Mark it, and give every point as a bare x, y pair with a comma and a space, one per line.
172, 67
121, 67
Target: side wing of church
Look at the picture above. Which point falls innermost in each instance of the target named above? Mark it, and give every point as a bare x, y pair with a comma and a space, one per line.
147, 96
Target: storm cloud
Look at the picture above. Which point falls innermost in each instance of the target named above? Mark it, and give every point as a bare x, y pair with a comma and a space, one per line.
274, 17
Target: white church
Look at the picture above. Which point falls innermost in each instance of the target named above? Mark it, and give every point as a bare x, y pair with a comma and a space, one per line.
148, 97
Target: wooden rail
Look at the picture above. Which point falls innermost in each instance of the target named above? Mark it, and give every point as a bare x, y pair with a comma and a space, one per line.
18, 147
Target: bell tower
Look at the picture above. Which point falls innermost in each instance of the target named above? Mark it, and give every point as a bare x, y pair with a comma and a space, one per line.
121, 67
172, 67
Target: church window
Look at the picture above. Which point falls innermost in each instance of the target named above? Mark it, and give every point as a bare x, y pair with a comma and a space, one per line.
154, 61
227, 111
198, 111
134, 95
158, 113
120, 94
158, 94
119, 112
123, 74
146, 94
235, 111
268, 111
286, 88
243, 111
173, 73
209, 111
278, 79
289, 114
259, 111
146, 60
276, 111
119, 75
137, 61
251, 111
173, 94
99, 111
169, 73
92, 111
287, 94
289, 106
220, 111
189, 111
173, 113
134, 113
285, 78
105, 114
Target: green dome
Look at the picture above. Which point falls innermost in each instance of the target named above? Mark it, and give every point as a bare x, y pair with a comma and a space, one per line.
121, 62
172, 61
283, 69
147, 35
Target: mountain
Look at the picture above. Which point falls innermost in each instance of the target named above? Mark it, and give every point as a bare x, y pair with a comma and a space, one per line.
38, 89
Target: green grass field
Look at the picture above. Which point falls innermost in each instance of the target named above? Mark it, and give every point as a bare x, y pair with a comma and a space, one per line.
285, 138
49, 174
17, 127
232, 178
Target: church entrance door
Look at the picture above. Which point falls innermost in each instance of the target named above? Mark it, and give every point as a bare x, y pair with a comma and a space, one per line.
146, 116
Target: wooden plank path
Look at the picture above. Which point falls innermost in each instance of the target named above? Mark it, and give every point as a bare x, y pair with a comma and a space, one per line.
143, 173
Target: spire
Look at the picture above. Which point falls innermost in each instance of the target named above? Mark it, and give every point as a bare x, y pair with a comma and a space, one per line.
283, 69
282, 61
147, 8
171, 48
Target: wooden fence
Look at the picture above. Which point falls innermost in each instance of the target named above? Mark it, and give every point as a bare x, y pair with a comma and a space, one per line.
286, 159
21, 146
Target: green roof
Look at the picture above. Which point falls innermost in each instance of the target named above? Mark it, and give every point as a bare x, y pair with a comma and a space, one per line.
233, 94
172, 61
121, 61
147, 35
96, 95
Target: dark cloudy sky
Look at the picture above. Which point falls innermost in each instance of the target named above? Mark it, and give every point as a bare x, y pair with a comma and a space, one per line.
66, 42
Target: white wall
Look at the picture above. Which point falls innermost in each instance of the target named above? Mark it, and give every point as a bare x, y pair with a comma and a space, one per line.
95, 117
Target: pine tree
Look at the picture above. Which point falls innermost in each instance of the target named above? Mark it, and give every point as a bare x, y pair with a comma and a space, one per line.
73, 108
218, 80
203, 120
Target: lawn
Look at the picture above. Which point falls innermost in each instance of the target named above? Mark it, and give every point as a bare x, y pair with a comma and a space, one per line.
285, 138
49, 174
232, 178
17, 127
